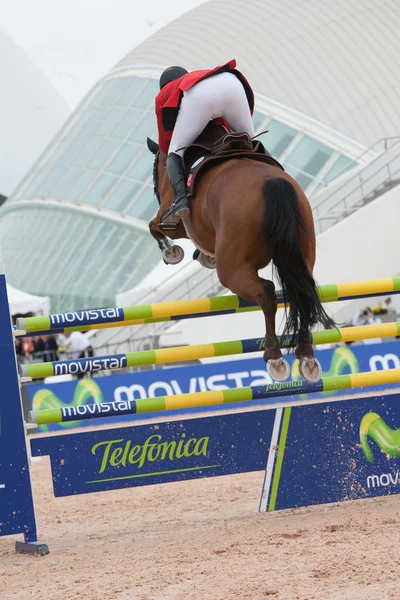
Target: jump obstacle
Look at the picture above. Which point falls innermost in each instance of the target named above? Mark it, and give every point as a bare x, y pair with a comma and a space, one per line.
312, 452
190, 309
113, 362
197, 399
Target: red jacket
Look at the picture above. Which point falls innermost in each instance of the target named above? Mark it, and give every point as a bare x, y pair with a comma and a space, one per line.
169, 98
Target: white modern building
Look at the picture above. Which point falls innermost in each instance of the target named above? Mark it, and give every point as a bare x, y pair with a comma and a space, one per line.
327, 90
31, 112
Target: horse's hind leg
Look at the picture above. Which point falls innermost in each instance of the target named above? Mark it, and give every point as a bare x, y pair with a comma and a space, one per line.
309, 366
277, 366
246, 283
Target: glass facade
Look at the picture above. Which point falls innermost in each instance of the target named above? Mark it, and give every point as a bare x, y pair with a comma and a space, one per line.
308, 160
100, 157
99, 161
79, 260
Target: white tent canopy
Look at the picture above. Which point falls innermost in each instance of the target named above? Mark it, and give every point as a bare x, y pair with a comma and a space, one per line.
21, 302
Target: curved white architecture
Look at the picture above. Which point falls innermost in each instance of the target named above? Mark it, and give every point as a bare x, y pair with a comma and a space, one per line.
31, 112
325, 96
335, 61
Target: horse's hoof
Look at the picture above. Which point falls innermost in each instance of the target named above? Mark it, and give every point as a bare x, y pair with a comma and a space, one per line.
278, 369
310, 369
206, 261
173, 255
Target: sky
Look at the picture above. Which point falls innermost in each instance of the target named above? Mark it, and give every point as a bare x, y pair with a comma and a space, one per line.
75, 42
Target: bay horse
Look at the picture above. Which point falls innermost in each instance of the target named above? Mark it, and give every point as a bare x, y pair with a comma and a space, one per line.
246, 214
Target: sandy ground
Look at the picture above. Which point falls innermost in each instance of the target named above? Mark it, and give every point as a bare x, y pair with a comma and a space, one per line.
203, 540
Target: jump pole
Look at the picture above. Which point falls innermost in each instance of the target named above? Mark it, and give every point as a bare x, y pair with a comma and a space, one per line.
165, 311
199, 399
185, 353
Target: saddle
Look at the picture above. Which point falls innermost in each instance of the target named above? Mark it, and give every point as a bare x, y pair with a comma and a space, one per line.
215, 145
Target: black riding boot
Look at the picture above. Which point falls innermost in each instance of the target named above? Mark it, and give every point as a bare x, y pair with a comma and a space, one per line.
176, 175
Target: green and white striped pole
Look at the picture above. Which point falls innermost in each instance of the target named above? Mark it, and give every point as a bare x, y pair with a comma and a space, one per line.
166, 311
198, 399
196, 352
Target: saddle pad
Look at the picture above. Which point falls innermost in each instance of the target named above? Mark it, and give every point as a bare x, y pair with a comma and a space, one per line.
193, 172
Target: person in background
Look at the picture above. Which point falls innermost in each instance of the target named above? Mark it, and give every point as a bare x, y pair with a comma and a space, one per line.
61, 340
39, 347
27, 348
389, 306
365, 316
18, 350
386, 309
78, 346
50, 348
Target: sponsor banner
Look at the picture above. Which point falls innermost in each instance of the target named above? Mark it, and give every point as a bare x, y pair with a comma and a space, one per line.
86, 317
84, 365
168, 403
203, 377
150, 454
16, 503
313, 454
344, 450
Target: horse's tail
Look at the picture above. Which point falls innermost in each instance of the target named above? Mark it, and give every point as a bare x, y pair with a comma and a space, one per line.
281, 224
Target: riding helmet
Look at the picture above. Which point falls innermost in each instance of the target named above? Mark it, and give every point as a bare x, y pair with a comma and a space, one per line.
170, 74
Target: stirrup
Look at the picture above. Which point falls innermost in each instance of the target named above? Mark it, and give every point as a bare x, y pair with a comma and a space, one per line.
172, 225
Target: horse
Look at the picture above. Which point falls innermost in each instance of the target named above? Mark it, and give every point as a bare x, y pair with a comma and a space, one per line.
245, 214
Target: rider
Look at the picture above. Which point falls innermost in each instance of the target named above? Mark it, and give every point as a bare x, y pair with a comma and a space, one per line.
186, 103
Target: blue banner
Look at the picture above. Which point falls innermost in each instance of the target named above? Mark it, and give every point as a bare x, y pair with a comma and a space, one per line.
313, 454
150, 454
16, 502
332, 452
202, 377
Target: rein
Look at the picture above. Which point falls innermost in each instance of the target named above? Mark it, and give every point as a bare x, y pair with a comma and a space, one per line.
155, 182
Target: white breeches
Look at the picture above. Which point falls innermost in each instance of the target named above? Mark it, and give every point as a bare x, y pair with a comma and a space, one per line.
221, 95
